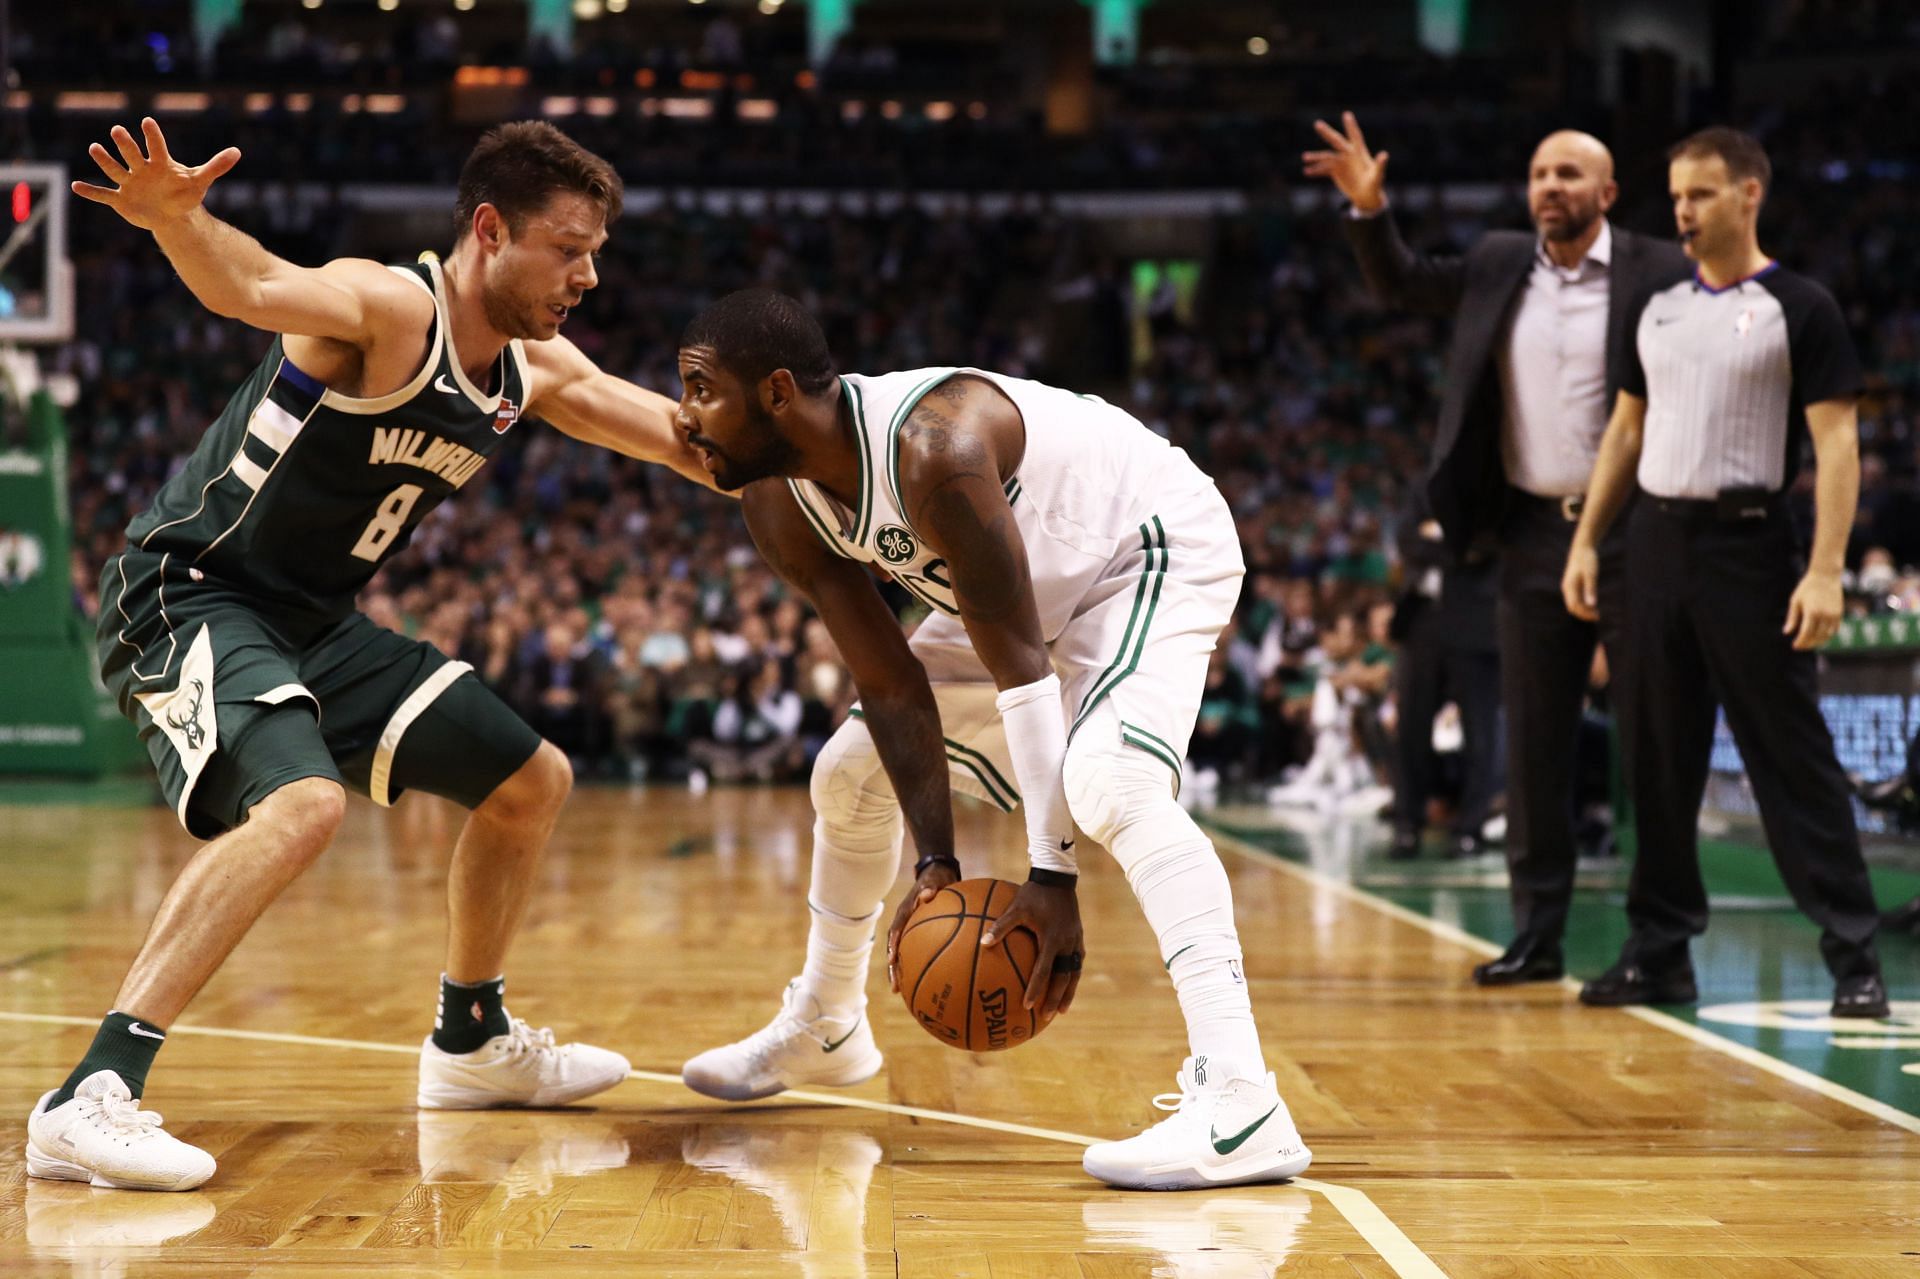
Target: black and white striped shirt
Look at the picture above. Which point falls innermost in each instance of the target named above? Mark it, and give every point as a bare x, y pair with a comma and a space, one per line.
1727, 374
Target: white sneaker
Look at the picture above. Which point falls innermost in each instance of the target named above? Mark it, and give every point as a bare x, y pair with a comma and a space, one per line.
102, 1136
523, 1067
1222, 1132
800, 1046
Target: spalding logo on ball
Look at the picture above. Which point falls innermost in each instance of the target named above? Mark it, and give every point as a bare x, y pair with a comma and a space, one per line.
965, 995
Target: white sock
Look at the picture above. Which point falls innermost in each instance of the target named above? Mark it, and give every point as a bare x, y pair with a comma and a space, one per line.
838, 949
855, 860
1183, 889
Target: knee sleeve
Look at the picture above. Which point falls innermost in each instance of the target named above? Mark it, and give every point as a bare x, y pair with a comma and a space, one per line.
1123, 799
857, 827
1113, 788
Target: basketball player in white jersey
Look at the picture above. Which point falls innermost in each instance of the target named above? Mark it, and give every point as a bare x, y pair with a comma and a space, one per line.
1080, 571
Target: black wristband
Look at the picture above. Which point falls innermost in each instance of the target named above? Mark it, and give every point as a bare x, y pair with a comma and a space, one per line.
936, 859
1052, 878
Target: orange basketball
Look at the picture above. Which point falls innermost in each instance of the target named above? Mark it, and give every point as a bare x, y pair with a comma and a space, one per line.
967, 996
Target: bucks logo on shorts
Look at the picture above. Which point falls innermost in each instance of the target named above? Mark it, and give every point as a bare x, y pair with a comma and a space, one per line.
895, 544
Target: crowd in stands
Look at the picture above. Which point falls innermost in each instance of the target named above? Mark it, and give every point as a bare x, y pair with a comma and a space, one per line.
623, 610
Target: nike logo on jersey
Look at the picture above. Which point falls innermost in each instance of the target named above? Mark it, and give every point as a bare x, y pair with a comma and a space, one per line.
135, 1028
441, 384
1228, 1145
405, 446
1659, 320
832, 1044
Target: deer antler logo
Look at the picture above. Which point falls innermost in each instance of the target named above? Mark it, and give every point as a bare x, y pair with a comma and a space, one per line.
190, 726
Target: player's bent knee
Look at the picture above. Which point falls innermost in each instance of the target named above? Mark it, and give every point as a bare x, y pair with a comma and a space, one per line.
849, 788
1109, 787
536, 790
306, 813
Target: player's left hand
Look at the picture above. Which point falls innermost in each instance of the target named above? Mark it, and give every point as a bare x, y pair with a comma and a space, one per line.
1053, 916
1813, 614
928, 882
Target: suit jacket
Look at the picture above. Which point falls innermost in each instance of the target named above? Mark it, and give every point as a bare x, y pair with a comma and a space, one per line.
1467, 482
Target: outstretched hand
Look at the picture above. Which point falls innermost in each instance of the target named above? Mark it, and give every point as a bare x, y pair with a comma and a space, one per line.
152, 188
1360, 174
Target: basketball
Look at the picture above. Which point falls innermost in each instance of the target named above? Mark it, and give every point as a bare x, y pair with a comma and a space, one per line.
964, 995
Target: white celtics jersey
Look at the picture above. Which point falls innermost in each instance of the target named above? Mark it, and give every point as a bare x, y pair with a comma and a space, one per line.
1091, 478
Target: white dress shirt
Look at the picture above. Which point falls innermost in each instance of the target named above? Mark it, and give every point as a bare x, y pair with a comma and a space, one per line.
1553, 374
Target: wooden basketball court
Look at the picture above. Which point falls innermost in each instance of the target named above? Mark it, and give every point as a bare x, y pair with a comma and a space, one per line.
1456, 1132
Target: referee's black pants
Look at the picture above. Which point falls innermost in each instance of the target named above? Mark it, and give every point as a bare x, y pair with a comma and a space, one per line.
1710, 598
1546, 662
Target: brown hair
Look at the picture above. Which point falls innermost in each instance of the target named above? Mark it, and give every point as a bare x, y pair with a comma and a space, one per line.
518, 167
1742, 153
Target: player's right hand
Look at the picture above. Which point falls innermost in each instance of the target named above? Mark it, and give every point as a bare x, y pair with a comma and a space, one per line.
151, 189
1360, 174
930, 881
1052, 915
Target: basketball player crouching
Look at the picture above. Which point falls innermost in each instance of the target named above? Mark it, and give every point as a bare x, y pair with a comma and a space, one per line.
1079, 571
229, 635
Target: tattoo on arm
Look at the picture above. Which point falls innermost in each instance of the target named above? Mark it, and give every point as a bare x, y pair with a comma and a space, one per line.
995, 582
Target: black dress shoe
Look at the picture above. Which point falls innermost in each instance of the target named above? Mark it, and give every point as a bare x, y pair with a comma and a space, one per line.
1628, 983
1405, 846
1864, 996
1525, 960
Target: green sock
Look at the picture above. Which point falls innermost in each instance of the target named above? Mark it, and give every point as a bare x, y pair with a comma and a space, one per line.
470, 1014
124, 1045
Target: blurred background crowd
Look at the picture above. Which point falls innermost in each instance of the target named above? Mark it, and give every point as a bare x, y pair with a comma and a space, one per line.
624, 611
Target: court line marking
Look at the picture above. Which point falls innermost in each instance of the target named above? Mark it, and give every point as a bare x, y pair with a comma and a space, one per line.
1400, 1253
1705, 1038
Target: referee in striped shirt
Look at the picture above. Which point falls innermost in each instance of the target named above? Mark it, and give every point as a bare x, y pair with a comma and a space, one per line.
1727, 372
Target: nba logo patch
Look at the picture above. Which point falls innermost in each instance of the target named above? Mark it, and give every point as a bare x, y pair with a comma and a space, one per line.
1741, 326
505, 416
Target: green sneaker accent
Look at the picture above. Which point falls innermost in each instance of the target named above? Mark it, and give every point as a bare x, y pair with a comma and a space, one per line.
830, 1046
1238, 1139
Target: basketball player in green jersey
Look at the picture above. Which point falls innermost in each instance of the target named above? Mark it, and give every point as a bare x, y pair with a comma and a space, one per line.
228, 630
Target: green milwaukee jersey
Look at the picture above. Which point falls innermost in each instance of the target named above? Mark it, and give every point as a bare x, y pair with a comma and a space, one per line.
297, 494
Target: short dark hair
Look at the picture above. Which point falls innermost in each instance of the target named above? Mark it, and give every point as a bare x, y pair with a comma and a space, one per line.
755, 331
1744, 156
518, 167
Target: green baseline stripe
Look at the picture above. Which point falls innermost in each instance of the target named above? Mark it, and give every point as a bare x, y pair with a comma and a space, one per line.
893, 432
956, 753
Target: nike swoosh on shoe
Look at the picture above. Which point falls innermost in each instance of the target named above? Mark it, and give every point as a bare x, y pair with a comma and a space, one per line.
1233, 1143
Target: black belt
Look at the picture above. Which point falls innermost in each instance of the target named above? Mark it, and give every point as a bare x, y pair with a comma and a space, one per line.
1728, 508
1566, 508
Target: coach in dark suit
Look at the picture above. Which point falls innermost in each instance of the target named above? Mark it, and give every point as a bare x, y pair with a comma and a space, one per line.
1537, 319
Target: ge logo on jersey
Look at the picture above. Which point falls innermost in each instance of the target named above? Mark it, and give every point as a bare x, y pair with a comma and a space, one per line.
895, 544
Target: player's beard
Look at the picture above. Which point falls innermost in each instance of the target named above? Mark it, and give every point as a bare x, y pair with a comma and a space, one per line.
770, 453
513, 314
